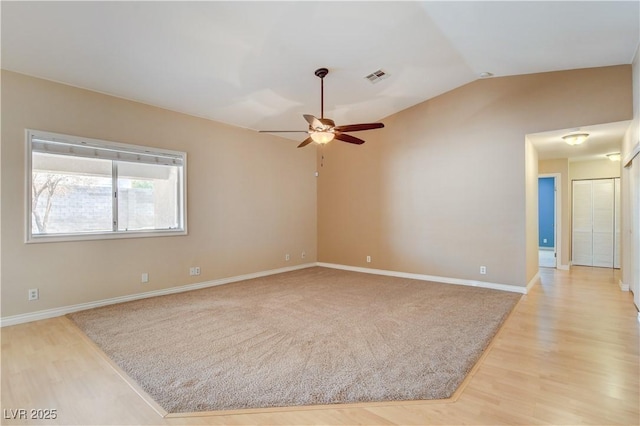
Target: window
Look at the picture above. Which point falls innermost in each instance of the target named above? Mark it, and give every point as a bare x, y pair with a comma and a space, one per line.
83, 188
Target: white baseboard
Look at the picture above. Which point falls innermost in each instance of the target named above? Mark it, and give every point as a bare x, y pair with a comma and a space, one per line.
446, 280
564, 267
533, 282
56, 312
623, 286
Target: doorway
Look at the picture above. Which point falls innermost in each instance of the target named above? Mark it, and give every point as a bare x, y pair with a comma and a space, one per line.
548, 220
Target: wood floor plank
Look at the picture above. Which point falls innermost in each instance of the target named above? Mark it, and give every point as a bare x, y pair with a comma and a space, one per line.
568, 354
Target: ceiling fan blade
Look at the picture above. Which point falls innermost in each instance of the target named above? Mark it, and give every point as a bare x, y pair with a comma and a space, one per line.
313, 122
305, 142
358, 127
348, 138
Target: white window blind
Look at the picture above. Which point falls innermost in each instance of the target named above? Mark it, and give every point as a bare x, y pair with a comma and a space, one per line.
80, 148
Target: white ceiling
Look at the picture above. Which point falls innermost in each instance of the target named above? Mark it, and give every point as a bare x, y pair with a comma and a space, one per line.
251, 64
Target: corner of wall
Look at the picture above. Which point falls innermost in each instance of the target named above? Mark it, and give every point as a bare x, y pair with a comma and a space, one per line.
531, 211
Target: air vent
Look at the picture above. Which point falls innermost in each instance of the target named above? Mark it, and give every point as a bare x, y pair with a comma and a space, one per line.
376, 76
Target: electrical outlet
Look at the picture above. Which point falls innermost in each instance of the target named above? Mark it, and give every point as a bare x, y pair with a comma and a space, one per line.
287, 257
34, 294
544, 240
145, 277
194, 270
483, 270
368, 259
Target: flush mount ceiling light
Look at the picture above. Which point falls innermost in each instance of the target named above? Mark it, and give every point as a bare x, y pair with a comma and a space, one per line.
576, 138
614, 156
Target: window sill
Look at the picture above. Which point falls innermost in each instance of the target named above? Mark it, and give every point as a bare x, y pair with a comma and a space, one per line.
91, 236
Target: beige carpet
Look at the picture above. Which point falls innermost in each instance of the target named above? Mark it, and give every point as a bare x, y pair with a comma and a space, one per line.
313, 336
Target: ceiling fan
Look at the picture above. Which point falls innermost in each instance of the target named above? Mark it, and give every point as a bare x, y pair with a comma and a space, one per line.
323, 130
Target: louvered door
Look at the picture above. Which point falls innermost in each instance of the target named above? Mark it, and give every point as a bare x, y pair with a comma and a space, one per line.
603, 206
582, 236
595, 223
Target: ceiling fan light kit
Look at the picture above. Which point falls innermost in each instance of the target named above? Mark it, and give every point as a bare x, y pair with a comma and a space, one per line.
576, 138
322, 137
324, 130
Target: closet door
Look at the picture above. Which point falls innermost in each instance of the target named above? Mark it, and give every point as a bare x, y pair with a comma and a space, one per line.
603, 207
582, 236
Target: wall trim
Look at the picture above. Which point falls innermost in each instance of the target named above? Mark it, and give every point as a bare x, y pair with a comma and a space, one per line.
422, 277
533, 282
56, 312
564, 267
623, 286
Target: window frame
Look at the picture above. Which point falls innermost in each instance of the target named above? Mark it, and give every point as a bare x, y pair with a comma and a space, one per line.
181, 230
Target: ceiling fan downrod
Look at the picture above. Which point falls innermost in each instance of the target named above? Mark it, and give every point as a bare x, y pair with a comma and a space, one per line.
322, 73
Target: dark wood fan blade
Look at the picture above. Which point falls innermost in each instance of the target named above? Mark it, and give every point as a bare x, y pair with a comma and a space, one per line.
305, 142
348, 138
327, 122
359, 127
313, 122
283, 131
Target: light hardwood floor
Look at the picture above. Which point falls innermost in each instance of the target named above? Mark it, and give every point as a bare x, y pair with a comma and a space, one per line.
568, 354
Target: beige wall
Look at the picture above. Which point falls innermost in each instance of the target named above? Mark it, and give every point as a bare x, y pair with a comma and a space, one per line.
561, 166
441, 189
630, 178
632, 139
251, 199
594, 169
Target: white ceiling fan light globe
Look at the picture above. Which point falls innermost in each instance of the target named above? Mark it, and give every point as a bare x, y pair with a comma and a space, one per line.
322, 137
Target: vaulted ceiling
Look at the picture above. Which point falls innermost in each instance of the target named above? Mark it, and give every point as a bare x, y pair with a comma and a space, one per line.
251, 64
